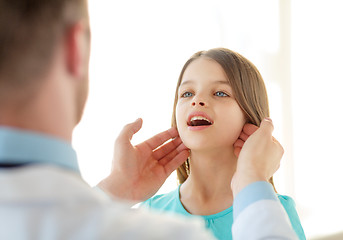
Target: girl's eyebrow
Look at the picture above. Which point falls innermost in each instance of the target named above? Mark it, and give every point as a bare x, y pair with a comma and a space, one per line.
215, 82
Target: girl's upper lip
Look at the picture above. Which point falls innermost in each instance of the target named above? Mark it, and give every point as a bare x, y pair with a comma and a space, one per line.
200, 114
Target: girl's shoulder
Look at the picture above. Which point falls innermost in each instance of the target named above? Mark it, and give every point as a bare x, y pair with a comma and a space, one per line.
163, 201
286, 200
289, 205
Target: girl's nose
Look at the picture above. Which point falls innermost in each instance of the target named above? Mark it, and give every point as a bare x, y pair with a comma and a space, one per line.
200, 103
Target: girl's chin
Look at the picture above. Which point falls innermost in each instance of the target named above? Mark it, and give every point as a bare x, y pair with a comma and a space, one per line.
207, 146
200, 141
202, 147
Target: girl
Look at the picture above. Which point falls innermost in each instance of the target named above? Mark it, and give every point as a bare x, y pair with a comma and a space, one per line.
217, 93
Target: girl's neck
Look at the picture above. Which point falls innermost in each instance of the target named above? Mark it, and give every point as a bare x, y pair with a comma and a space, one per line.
208, 188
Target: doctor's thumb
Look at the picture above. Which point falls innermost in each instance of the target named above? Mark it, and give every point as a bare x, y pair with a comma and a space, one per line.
267, 126
129, 130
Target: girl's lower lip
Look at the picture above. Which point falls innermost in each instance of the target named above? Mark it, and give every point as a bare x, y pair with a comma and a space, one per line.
198, 128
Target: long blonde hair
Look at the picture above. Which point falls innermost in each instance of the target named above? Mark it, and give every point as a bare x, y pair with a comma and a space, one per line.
247, 85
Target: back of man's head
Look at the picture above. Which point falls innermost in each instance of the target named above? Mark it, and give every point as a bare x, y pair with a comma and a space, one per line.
29, 33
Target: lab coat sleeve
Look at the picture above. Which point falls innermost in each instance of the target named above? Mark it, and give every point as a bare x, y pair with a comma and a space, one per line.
258, 214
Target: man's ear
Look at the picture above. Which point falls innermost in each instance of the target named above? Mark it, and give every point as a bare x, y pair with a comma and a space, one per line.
75, 49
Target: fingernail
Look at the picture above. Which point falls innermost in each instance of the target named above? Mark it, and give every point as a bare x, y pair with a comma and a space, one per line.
268, 119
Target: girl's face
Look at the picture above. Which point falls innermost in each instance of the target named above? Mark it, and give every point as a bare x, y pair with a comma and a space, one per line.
207, 114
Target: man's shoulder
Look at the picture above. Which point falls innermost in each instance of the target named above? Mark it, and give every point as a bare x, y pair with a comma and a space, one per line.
46, 183
48, 201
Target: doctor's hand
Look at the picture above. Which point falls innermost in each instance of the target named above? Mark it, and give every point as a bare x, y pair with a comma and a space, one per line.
247, 130
259, 155
139, 171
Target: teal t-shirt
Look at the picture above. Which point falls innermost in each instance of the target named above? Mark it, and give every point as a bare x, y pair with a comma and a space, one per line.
218, 223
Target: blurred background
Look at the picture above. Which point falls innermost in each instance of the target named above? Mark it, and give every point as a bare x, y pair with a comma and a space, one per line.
139, 48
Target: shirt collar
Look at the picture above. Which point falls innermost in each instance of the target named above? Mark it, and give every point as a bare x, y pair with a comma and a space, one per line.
21, 146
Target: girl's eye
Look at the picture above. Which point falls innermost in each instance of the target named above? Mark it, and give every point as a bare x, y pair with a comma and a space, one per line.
187, 94
221, 94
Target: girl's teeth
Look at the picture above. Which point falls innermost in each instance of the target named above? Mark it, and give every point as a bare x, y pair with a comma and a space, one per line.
200, 118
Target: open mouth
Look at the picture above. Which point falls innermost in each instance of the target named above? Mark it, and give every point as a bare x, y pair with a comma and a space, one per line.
199, 121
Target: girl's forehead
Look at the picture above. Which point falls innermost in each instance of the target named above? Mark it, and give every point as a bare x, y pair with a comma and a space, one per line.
204, 70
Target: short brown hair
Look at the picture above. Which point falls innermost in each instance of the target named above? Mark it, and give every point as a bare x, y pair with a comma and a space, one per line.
29, 31
247, 85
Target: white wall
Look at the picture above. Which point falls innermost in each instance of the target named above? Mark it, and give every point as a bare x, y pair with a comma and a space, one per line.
317, 100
